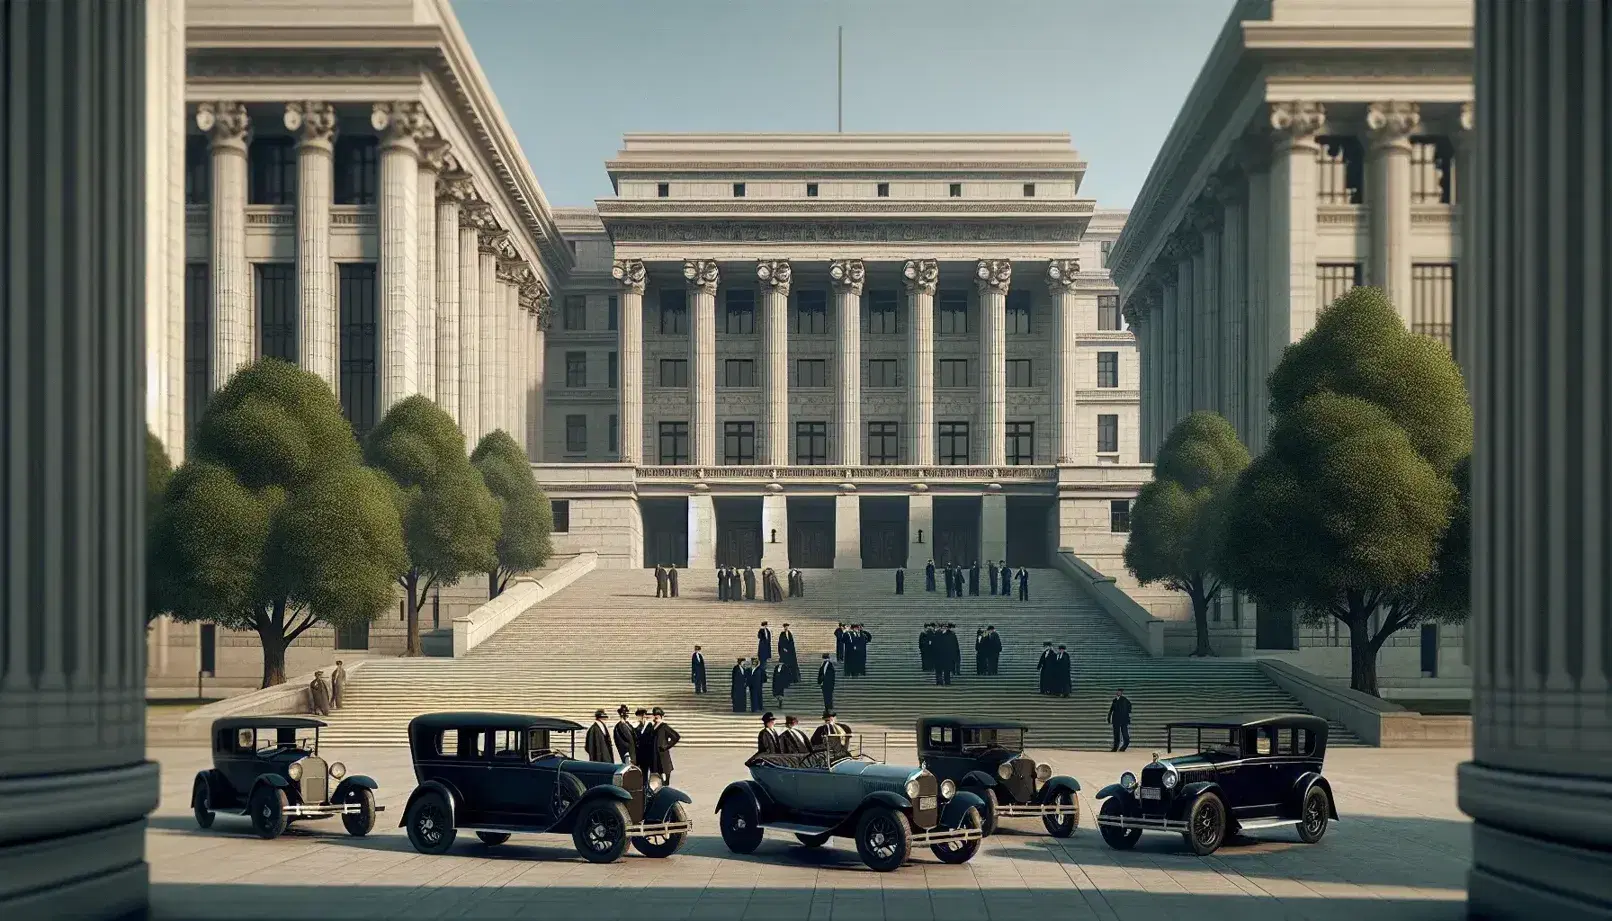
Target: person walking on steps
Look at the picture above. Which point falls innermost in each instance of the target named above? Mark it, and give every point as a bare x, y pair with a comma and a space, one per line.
901, 582
739, 692
1043, 667
696, 666
1119, 717
749, 583
1024, 584
660, 581
1061, 674
786, 654
338, 680
993, 650
825, 680
764, 644
319, 694
929, 576
758, 686
671, 578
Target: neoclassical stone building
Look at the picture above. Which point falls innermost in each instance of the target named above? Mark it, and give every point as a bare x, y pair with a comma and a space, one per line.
1322, 147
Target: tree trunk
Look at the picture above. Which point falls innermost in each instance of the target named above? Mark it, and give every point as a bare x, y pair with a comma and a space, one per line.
1200, 615
411, 603
1362, 655
493, 588
271, 636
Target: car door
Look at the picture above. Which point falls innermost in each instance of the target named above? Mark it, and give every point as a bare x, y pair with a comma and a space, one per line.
511, 781
1260, 791
461, 762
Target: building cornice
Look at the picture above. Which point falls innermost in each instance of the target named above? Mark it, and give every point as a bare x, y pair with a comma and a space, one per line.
845, 230
613, 209
849, 168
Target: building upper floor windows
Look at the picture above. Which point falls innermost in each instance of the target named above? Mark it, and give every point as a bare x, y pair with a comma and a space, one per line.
884, 190
612, 313
1107, 369
576, 312
613, 371
952, 307
1020, 443
738, 190
952, 446
1018, 373
884, 372
811, 313
1432, 171
1104, 248
357, 169
884, 443
1108, 312
663, 190
739, 372
811, 442
883, 313
576, 434
673, 312
1433, 299
1334, 279
277, 311
739, 315
674, 372
198, 170
1119, 516
738, 443
271, 171
1107, 433
1018, 312
673, 443
953, 373
1342, 174
956, 190
576, 369
811, 372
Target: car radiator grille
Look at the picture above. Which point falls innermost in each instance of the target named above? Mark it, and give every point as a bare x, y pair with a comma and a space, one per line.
315, 781
632, 780
928, 795
1153, 779
1022, 783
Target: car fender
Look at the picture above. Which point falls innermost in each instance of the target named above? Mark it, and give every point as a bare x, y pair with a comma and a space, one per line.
1115, 789
350, 783
433, 786
1058, 783
1191, 793
978, 779
745, 791
662, 802
885, 799
205, 779
951, 815
564, 823
1303, 786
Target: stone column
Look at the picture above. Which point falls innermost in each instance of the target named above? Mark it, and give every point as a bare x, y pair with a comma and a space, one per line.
1389, 126
1256, 336
543, 315
492, 261
1539, 786
1466, 230
775, 278
452, 188
1186, 319
847, 277
774, 529
433, 159
1141, 326
318, 319
993, 277
402, 126
473, 217
74, 779
1291, 233
993, 524
165, 227
921, 276
920, 529
702, 277
229, 131
634, 278
1065, 347
1206, 267
1166, 375
1233, 304
847, 528
514, 345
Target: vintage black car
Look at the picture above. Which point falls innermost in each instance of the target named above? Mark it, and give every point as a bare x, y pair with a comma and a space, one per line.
887, 810
268, 768
986, 758
1248, 773
498, 774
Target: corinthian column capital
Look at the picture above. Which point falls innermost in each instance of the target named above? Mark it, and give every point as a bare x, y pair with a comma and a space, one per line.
1391, 124
702, 275
921, 275
1297, 122
437, 157
402, 124
1061, 275
993, 275
314, 123
631, 274
775, 274
226, 124
847, 275
1466, 116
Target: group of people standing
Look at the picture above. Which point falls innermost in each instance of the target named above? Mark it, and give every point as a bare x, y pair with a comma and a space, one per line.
987, 651
646, 744
1001, 578
939, 652
792, 740
749, 679
734, 584
851, 647
324, 696
1056, 679
665, 581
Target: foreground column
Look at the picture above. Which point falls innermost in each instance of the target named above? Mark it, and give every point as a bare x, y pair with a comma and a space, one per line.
1539, 785
992, 277
74, 783
542, 316
1065, 341
318, 349
921, 276
1291, 236
847, 276
630, 323
702, 277
229, 131
775, 278
1390, 125
402, 125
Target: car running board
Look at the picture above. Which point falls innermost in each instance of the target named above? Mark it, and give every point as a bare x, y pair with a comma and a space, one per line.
946, 836
794, 829
656, 829
321, 812
1257, 824
1033, 811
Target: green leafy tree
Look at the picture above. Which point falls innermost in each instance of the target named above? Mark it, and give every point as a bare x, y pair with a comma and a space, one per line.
159, 471
450, 520
1176, 522
1356, 509
272, 524
526, 516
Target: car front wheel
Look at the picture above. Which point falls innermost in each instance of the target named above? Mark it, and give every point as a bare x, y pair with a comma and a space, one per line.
741, 827
1206, 825
1120, 839
663, 845
430, 824
1062, 825
268, 811
961, 851
600, 834
988, 814
883, 839
204, 815
362, 822
1313, 814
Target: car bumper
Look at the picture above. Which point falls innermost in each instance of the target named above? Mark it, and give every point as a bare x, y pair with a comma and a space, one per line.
658, 829
327, 809
1034, 810
946, 836
1145, 823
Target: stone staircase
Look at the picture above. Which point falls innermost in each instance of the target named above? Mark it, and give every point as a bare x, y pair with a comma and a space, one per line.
606, 640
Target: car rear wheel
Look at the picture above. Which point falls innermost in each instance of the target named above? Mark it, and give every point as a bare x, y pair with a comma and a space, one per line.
812, 840
961, 851
268, 811
1120, 839
1206, 825
204, 814
362, 822
600, 835
493, 838
429, 821
883, 839
1062, 825
741, 826
988, 814
1313, 814
663, 845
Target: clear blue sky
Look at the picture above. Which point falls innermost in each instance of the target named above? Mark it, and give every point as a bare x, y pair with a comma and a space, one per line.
575, 75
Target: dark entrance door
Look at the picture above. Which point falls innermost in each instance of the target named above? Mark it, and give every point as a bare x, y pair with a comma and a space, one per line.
738, 532
1273, 628
1430, 650
957, 530
665, 531
209, 649
1029, 536
884, 533
811, 533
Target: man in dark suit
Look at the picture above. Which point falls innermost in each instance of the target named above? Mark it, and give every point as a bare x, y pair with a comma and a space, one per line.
643, 740
992, 571
1007, 580
767, 741
660, 581
839, 643
929, 576
758, 686
764, 644
993, 650
1119, 716
901, 581
749, 583
671, 578
839, 732
721, 584
740, 691
825, 680
1043, 666
696, 665
792, 741
597, 744
662, 739
1024, 584
786, 654
1061, 673
974, 578
622, 735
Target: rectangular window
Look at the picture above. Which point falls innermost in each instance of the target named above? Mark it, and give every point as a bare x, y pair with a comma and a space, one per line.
271, 172
1020, 443
357, 169
674, 372
576, 369
882, 313
811, 190
811, 442
1108, 312
612, 313
576, 312
738, 443
953, 446
277, 311
811, 313
1029, 190
811, 372
1107, 433
1119, 516
738, 190
663, 190
673, 312
953, 373
956, 190
561, 511
613, 370
1433, 299
740, 312
614, 434
884, 190
952, 306
198, 342
359, 353
1342, 171
1104, 250
1108, 369
739, 372
1432, 173
576, 434
1018, 313
353, 636
1334, 279
198, 170
1018, 373
883, 372
884, 443
674, 443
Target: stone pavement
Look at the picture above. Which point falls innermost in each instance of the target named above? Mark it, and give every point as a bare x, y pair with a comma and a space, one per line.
1401, 852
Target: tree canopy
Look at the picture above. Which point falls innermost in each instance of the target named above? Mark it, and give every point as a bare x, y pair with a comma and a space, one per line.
527, 518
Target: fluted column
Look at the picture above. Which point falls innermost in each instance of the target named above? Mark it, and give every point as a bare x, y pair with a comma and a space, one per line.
514, 344
921, 277
318, 320
402, 125
490, 336
1206, 268
1233, 304
534, 303
847, 277
433, 159
1390, 126
993, 277
1256, 354
1466, 231
634, 278
229, 131
1140, 325
775, 277
1169, 373
75, 785
1184, 328
452, 188
165, 218
1065, 347
702, 277
1539, 786
1291, 234
473, 217
542, 317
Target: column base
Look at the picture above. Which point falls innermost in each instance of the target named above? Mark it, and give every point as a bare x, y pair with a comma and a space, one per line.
775, 532
848, 532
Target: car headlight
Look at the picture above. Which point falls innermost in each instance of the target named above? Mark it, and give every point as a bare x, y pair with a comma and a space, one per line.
619, 779
1004, 770
655, 783
1043, 772
912, 788
294, 771
1170, 779
1127, 780
338, 770
948, 789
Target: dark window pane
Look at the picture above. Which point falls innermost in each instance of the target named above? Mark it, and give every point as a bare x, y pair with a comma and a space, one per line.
883, 313
674, 372
615, 433
613, 371
576, 369
811, 313
1107, 433
1108, 312
277, 311
1018, 313
1108, 369
883, 372
884, 443
953, 372
952, 309
740, 313
271, 165
1018, 373
561, 510
198, 170
674, 443
613, 313
811, 442
674, 312
811, 372
576, 434
1119, 516
738, 443
953, 446
1433, 299
360, 397
357, 170
1334, 279
739, 372
576, 312
1021, 443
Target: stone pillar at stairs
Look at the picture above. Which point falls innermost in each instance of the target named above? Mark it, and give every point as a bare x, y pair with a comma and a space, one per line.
920, 530
701, 534
775, 531
993, 527
847, 531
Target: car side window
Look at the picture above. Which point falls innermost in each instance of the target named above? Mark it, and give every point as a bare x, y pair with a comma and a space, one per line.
472, 743
1305, 741
940, 736
507, 745
447, 744
1263, 742
244, 740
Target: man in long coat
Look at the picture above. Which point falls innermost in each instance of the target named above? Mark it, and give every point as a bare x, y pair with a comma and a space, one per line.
950, 656
338, 680
786, 654
860, 644
696, 667
792, 741
643, 739
758, 686
763, 645
1043, 666
1062, 673
780, 682
660, 581
1007, 580
735, 584
721, 584
622, 734
929, 576
1024, 584
663, 738
974, 578
926, 648
671, 578
749, 583
740, 691
767, 740
982, 655
992, 571
839, 643
597, 743
993, 650
319, 694
901, 582
825, 680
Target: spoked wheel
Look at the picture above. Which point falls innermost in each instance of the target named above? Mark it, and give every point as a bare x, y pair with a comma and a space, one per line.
493, 838
1313, 814
268, 811
883, 839
812, 840
663, 845
204, 812
1120, 839
600, 835
430, 824
1060, 825
1206, 825
988, 817
741, 827
961, 851
362, 822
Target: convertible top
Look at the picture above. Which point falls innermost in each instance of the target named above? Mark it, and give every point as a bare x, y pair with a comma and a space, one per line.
969, 722
266, 722
1297, 720
473, 720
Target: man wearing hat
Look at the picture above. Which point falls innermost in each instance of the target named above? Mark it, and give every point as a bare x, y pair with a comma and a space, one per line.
662, 738
767, 739
793, 741
841, 733
1061, 676
643, 742
786, 654
763, 644
1044, 666
696, 670
319, 694
825, 679
626, 743
597, 743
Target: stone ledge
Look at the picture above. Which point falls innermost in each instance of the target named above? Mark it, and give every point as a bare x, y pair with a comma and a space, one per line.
1141, 626
1373, 720
473, 629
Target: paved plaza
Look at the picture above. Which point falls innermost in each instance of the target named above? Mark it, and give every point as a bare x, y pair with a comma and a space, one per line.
1402, 851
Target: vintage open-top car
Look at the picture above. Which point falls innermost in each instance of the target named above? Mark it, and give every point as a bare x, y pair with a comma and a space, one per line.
498, 774
839, 792
268, 768
1247, 773
985, 757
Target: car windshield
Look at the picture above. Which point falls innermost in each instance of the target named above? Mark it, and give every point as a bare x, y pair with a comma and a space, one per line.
286, 739
842, 748
983, 739
1225, 740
